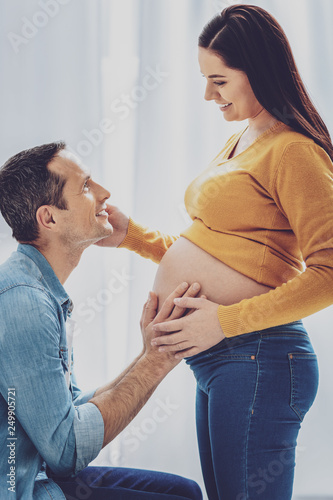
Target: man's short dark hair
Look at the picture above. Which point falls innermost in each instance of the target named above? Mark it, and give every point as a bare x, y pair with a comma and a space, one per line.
26, 184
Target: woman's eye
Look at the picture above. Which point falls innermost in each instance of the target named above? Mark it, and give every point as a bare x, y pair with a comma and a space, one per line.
219, 83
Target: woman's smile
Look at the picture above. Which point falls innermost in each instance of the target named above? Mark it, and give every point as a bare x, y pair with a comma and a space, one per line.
223, 107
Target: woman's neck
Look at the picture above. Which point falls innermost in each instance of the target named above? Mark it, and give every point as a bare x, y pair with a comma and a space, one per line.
260, 123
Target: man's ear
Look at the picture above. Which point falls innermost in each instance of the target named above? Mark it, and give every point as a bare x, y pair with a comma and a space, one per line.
46, 218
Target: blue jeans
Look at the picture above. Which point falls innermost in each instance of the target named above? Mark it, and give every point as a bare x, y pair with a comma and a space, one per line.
104, 483
253, 392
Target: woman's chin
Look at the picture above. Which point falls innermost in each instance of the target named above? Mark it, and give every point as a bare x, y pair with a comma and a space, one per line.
230, 117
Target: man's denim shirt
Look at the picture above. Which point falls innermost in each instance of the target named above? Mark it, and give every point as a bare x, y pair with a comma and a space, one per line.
53, 424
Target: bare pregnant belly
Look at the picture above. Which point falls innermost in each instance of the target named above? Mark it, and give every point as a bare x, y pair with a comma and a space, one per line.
185, 261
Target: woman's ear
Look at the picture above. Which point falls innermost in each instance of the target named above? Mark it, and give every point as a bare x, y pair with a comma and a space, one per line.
46, 218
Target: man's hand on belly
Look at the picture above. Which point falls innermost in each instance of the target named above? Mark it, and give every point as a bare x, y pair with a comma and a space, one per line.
169, 312
196, 332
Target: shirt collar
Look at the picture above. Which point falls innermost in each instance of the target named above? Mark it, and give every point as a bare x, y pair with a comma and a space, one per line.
49, 276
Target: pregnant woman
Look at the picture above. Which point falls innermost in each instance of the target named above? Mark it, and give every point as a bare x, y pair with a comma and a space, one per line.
262, 208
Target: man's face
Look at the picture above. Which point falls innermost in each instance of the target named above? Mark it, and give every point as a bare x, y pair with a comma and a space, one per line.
86, 220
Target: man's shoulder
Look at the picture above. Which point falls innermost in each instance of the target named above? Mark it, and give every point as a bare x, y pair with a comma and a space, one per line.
21, 284
19, 270
26, 303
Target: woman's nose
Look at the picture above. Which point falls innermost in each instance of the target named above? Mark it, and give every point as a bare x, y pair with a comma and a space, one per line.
210, 93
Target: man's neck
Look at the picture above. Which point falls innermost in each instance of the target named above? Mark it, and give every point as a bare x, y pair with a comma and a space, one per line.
62, 260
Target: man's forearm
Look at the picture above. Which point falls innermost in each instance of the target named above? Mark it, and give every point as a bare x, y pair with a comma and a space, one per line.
116, 381
121, 403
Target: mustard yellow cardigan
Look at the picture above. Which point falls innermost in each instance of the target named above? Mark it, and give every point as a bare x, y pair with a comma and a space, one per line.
267, 213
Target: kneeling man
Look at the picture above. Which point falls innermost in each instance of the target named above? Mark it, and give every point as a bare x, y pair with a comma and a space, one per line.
49, 430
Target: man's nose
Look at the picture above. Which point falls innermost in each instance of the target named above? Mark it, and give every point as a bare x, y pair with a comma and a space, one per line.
106, 193
102, 193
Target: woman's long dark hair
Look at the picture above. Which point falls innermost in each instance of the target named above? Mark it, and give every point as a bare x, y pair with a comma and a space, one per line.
249, 39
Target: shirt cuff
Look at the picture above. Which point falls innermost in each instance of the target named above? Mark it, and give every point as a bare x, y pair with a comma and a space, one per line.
84, 397
89, 434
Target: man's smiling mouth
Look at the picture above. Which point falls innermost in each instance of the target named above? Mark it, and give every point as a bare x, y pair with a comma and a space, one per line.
102, 213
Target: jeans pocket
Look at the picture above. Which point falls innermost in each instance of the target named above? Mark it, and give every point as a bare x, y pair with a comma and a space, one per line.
304, 382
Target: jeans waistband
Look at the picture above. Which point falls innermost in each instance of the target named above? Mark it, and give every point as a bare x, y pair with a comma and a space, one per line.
285, 326
294, 328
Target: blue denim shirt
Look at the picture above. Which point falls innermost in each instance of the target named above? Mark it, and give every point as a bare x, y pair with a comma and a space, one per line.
53, 424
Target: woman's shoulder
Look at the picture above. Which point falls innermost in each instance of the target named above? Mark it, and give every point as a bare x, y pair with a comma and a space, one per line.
293, 144
294, 151
287, 136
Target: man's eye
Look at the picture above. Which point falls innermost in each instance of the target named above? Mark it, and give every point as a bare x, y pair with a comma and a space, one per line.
85, 186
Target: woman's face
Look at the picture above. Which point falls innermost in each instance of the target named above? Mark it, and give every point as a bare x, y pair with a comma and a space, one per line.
229, 88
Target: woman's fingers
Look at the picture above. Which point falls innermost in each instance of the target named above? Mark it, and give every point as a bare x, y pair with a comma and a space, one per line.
169, 311
189, 302
193, 291
174, 342
172, 338
110, 208
169, 304
174, 325
190, 311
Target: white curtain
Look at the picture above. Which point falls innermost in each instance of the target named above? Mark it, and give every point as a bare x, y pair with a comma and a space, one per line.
119, 81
